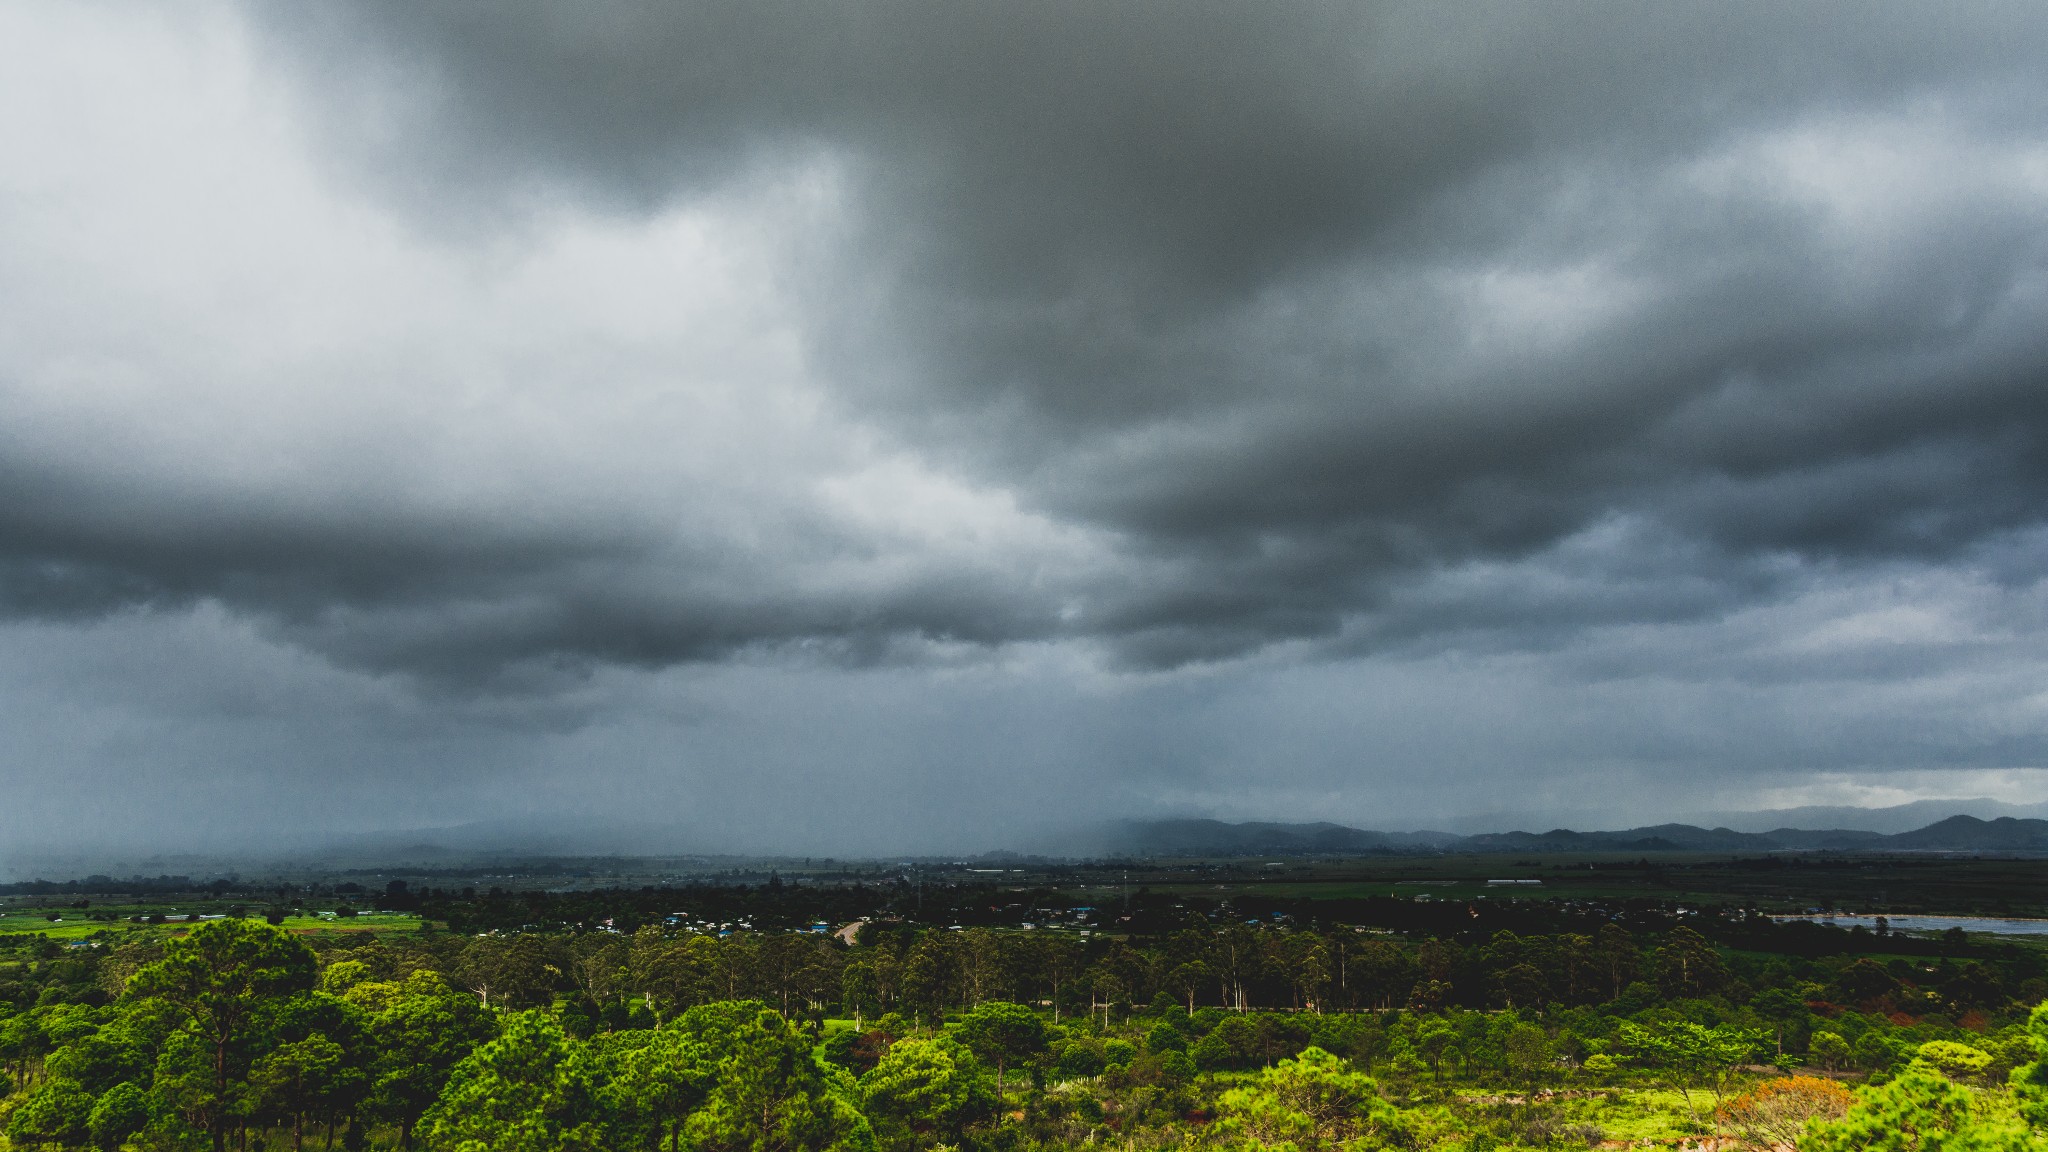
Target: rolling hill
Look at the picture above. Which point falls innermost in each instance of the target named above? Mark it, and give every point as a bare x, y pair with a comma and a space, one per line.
1220, 838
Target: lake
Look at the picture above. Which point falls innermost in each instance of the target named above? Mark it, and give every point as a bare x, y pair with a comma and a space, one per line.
1996, 926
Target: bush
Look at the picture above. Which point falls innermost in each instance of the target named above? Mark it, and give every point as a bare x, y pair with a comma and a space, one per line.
1077, 1057
926, 1088
1777, 1111
1920, 1110
1165, 1038
1875, 1051
1955, 1059
1830, 1049
1312, 1102
122, 1111
1232, 1045
1175, 1067
56, 1113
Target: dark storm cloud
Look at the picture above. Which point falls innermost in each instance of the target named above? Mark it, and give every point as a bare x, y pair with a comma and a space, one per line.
1353, 323
451, 598
1199, 275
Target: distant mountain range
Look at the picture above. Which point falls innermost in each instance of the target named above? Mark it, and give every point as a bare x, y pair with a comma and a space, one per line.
1897, 818
1217, 838
537, 838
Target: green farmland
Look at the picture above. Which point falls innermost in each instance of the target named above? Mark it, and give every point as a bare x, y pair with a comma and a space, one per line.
76, 926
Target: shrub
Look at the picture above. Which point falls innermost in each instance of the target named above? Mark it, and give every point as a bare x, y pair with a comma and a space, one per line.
1775, 1113
1955, 1059
1920, 1110
1165, 1038
1232, 1044
1077, 1057
1312, 1102
121, 1112
1175, 1067
1830, 1049
55, 1113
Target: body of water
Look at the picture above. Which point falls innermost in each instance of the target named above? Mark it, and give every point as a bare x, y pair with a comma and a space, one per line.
2001, 927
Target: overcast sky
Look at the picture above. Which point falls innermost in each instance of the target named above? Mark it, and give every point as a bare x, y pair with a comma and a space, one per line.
841, 428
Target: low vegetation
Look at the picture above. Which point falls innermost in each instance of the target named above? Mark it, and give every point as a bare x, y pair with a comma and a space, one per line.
235, 1033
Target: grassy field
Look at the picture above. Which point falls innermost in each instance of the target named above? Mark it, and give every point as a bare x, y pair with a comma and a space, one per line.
28, 923
75, 926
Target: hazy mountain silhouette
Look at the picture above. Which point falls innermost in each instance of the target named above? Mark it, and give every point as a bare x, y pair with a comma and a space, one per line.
1219, 838
1898, 818
1967, 833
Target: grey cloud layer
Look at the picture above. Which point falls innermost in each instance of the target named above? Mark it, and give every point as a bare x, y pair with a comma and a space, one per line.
1352, 324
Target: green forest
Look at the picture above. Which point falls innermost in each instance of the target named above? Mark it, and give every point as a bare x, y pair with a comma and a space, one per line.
234, 1033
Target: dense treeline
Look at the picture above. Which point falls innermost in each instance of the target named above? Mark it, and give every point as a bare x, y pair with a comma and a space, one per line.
238, 1034
924, 973
1141, 913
